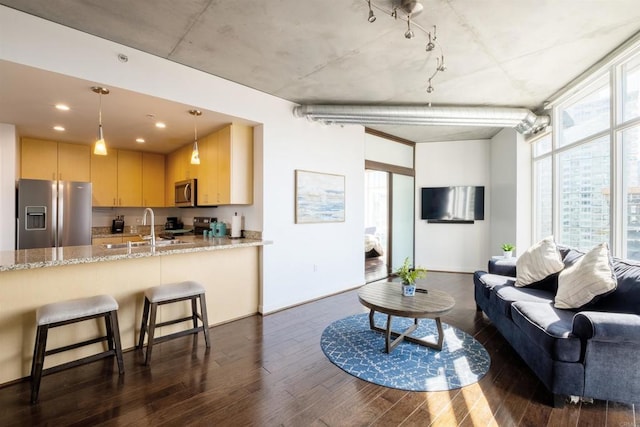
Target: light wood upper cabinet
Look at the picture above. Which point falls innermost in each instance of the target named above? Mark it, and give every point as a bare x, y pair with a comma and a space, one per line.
226, 168
225, 173
207, 186
179, 168
104, 177
129, 178
74, 162
39, 159
117, 178
153, 181
42, 159
170, 177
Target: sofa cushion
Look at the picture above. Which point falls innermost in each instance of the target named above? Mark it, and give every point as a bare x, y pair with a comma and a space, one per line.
538, 262
549, 328
505, 295
626, 297
588, 278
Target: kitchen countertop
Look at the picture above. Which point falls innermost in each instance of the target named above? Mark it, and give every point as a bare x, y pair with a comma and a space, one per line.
24, 259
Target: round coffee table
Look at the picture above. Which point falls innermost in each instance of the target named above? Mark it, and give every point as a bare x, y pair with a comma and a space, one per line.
387, 298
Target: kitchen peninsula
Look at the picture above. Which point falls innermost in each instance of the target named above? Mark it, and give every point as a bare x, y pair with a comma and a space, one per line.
227, 268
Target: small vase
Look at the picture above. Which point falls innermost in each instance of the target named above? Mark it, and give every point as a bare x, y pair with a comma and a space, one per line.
408, 289
507, 254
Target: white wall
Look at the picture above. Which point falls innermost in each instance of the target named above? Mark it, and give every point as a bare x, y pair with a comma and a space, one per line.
453, 247
510, 191
305, 261
8, 166
384, 150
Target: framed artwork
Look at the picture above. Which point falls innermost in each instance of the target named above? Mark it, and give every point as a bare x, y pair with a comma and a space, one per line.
319, 197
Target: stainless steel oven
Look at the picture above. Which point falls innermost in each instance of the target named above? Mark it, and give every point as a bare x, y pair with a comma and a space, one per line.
186, 193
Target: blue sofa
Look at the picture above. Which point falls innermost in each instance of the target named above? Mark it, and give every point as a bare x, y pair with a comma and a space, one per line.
593, 352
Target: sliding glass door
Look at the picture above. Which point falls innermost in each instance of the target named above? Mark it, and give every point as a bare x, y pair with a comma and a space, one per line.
389, 222
402, 219
376, 225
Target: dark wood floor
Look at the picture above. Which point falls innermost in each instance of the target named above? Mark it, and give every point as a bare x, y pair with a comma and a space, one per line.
271, 371
375, 268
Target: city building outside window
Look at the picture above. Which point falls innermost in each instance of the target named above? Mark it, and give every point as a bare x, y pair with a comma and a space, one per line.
586, 172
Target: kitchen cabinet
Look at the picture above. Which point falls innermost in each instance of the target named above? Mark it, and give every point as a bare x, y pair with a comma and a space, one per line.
226, 168
179, 168
129, 178
117, 178
104, 177
115, 239
106, 240
50, 160
153, 181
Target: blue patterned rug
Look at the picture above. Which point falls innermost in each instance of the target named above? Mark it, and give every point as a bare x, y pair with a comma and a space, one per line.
359, 351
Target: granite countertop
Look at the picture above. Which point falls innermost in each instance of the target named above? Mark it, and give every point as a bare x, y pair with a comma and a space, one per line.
24, 259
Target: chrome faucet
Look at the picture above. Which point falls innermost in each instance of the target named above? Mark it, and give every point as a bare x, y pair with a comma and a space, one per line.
153, 225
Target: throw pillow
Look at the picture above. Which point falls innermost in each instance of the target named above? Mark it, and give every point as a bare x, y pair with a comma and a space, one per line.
538, 262
590, 277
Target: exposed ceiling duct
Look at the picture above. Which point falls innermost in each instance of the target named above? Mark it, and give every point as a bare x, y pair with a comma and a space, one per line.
522, 119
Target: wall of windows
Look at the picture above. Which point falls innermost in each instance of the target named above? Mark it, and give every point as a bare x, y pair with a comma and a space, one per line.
587, 169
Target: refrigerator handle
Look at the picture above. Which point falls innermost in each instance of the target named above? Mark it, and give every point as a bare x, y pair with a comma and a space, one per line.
55, 232
17, 233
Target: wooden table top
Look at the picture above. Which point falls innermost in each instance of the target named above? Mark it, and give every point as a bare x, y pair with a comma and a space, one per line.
386, 297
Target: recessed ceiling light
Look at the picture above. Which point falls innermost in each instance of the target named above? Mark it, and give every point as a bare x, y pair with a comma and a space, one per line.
59, 128
140, 140
161, 125
62, 107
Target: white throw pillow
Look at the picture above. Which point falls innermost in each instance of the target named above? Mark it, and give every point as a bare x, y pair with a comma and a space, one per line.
538, 262
591, 276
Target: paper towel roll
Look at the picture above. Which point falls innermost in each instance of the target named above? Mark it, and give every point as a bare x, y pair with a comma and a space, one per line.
236, 226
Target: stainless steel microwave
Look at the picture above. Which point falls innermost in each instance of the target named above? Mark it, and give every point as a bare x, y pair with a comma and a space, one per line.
186, 193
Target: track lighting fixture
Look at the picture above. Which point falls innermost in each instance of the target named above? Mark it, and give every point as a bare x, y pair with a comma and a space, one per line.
430, 45
440, 62
100, 147
430, 88
411, 8
409, 34
372, 17
195, 154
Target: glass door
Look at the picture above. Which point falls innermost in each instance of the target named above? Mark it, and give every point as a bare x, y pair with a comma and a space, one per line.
376, 231
389, 222
402, 219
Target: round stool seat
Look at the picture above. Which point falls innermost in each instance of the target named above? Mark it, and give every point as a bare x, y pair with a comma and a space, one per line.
75, 309
173, 291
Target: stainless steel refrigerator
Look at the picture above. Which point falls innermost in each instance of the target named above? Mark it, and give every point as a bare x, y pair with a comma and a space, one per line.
53, 214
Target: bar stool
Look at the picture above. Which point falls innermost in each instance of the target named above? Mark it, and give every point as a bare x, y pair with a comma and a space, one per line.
167, 294
73, 311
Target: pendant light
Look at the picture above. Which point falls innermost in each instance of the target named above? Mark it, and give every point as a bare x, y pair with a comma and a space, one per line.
100, 148
195, 155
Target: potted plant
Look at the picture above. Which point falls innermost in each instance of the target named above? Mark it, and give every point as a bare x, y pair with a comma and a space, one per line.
409, 275
507, 250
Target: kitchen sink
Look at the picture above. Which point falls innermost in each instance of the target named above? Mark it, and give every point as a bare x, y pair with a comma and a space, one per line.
170, 242
159, 243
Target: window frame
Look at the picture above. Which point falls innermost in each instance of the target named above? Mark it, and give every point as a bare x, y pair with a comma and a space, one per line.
617, 126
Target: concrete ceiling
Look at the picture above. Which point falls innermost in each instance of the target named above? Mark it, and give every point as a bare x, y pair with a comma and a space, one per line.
498, 53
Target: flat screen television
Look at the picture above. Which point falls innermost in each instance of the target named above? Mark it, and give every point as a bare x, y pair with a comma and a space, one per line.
453, 204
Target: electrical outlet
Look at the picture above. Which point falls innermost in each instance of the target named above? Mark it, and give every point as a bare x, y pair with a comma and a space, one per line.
315, 268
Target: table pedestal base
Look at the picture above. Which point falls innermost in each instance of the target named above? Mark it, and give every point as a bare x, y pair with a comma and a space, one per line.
404, 335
